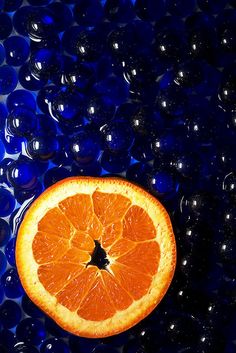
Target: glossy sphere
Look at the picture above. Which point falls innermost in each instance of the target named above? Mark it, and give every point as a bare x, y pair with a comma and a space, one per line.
6, 26
23, 348
22, 174
180, 7
44, 64
28, 81
10, 314
119, 10
54, 345
100, 110
10, 252
20, 19
11, 284
171, 101
162, 183
138, 173
114, 89
21, 121
5, 232
88, 12
7, 202
42, 147
17, 50
118, 136
31, 331
61, 22
79, 75
40, 24
150, 10
2, 54
13, 144
3, 263
12, 5
20, 98
30, 308
115, 163
45, 96
86, 147
55, 174
88, 45
8, 79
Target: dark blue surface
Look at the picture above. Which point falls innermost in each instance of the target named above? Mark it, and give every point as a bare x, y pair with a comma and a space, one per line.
8, 79
17, 50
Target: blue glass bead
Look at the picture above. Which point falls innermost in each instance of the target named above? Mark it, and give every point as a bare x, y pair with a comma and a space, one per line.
88, 12
21, 98
2, 54
88, 45
17, 50
119, 10
163, 183
141, 150
168, 143
227, 90
8, 339
171, 101
138, 173
40, 24
20, 19
180, 7
53, 43
91, 169
3, 115
44, 64
85, 147
212, 7
54, 329
11, 283
22, 174
46, 125
45, 95
150, 10
81, 344
10, 314
8, 79
21, 121
80, 75
3, 263
63, 156
118, 136
31, 331
3, 170
120, 42
2, 150
21, 195
114, 89
66, 107
28, 81
42, 147
30, 308
13, 144
186, 165
61, 22
54, 175
70, 38
100, 110
21, 347
115, 163
6, 25
10, 251
54, 345
12, 5
7, 202
5, 232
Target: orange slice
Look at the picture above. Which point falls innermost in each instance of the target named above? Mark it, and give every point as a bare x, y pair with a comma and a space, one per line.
97, 255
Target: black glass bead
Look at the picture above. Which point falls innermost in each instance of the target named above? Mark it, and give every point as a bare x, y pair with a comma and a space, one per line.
7, 339
61, 22
80, 75
40, 24
54, 345
63, 156
17, 50
12, 5
44, 64
202, 44
21, 121
20, 19
28, 81
6, 26
45, 96
150, 10
162, 183
54, 175
54, 329
115, 163
88, 12
119, 10
42, 147
168, 143
88, 45
78, 344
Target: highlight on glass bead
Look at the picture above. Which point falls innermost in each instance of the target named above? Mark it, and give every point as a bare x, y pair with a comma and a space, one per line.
20, 98
42, 147
11, 284
21, 173
21, 121
17, 50
54, 345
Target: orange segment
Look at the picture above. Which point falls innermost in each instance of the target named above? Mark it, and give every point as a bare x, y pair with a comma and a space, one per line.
119, 297
55, 275
78, 209
111, 233
143, 258
48, 247
96, 305
96, 254
135, 283
110, 207
73, 293
138, 226
54, 222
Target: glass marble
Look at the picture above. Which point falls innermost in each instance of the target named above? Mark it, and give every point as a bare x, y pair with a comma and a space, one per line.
44, 64
12, 5
115, 163
118, 136
11, 284
5, 232
70, 39
45, 96
63, 156
88, 12
119, 10
80, 343
21, 347
40, 24
54, 175
39, 2
54, 345
10, 252
20, 98
2, 54
7, 338
46, 125
17, 50
20, 19
171, 101
3, 264
22, 174
22, 195
6, 25
30, 308
85, 147
141, 150
227, 90
8, 79
3, 170
10, 314
162, 183
150, 10
7, 202
42, 147
80, 75
99, 110
28, 81
52, 42
31, 331
13, 144
88, 45
21, 121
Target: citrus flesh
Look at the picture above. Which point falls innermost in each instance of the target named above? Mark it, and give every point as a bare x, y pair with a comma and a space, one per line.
57, 254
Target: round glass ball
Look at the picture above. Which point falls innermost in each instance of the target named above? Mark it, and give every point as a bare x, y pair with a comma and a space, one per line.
17, 50
7, 202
